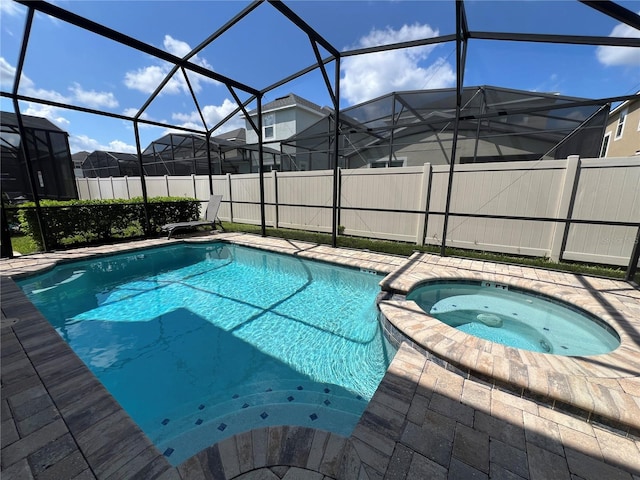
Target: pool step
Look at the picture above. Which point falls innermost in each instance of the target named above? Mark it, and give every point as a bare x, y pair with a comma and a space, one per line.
171, 425
182, 446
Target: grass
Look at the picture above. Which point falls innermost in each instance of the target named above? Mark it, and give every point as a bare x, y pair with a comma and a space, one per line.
23, 244
406, 249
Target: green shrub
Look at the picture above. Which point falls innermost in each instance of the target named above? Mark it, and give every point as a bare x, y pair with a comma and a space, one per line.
81, 222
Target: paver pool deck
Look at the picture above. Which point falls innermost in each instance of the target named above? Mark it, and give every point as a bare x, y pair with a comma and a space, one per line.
450, 405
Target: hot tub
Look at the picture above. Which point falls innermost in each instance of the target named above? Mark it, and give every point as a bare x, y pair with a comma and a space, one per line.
516, 317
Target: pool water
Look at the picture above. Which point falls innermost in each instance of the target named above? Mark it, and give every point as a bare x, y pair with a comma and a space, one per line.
516, 318
200, 342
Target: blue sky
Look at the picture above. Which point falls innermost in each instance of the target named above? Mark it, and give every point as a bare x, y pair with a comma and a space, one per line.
69, 65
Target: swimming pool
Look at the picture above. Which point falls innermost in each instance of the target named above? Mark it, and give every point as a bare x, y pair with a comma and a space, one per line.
200, 342
516, 317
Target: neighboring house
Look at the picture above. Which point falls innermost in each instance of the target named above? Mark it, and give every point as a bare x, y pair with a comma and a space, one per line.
78, 159
283, 118
48, 151
622, 134
413, 128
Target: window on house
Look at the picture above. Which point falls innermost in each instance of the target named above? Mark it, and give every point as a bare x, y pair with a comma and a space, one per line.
621, 119
269, 126
399, 162
605, 145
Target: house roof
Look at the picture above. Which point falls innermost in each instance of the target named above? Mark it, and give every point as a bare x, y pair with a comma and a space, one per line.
238, 135
80, 156
290, 100
624, 104
29, 121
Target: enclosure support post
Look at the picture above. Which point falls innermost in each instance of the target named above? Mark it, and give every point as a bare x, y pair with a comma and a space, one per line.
143, 183
565, 208
461, 52
207, 139
276, 220
425, 195
339, 221
7, 248
393, 124
230, 197
633, 261
23, 137
260, 169
336, 152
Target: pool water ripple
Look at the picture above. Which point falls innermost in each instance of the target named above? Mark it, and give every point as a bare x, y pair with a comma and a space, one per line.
175, 328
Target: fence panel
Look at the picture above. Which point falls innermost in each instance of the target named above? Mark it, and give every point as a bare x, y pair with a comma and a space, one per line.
306, 188
135, 187
83, 188
246, 188
93, 185
608, 189
181, 186
605, 189
516, 189
156, 187
106, 188
119, 187
385, 188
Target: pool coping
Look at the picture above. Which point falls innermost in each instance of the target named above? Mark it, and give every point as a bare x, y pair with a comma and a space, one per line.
592, 387
88, 416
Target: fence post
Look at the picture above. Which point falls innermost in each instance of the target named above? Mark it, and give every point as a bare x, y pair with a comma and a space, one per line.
126, 184
113, 192
166, 185
99, 188
425, 194
633, 259
275, 198
339, 206
193, 183
230, 197
565, 207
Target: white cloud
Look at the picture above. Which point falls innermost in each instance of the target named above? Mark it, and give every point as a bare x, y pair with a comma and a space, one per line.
369, 76
27, 87
120, 146
147, 79
176, 47
620, 56
10, 8
89, 98
212, 114
46, 111
93, 99
78, 143
130, 112
7, 74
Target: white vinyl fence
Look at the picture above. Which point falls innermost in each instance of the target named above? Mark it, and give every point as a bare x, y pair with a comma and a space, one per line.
581, 189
